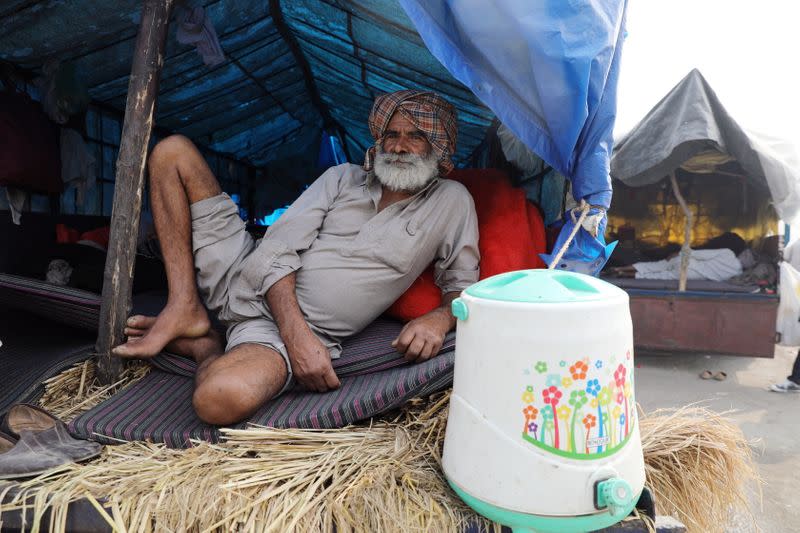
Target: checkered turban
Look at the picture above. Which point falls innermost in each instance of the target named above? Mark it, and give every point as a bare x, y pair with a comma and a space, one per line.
430, 113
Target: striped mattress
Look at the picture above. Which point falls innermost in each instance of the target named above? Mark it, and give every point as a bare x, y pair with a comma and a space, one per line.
374, 379
66, 305
34, 350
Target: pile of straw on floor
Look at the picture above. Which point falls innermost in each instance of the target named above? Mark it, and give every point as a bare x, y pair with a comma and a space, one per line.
699, 466
76, 390
380, 477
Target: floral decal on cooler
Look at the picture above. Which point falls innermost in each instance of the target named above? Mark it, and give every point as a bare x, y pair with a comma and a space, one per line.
584, 410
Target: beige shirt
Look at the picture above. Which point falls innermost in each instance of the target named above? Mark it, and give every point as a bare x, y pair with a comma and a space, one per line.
353, 262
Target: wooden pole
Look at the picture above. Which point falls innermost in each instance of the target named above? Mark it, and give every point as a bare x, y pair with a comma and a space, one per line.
148, 58
686, 249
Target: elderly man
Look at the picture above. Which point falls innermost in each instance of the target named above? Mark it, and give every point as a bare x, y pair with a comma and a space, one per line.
352, 243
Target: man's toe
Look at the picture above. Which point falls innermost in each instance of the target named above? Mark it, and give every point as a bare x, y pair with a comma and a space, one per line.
123, 350
140, 321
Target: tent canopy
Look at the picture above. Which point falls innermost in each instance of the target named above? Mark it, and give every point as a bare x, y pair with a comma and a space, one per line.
294, 69
689, 129
260, 103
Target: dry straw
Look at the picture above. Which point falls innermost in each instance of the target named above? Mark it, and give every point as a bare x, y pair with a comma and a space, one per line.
700, 467
381, 477
76, 390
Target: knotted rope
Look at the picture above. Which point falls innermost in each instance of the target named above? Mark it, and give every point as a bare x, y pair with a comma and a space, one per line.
583, 208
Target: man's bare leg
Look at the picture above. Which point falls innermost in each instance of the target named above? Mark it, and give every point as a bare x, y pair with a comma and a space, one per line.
179, 177
228, 387
231, 387
198, 348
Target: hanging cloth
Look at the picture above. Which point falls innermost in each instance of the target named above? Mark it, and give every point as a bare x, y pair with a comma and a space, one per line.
195, 27
77, 164
64, 91
18, 201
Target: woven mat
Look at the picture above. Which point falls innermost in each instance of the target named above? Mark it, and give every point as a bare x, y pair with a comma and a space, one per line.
374, 379
33, 350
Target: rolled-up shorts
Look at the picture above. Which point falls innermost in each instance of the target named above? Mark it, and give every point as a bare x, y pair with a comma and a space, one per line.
221, 247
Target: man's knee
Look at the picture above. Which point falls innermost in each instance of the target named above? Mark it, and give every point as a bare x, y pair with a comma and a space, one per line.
223, 400
170, 150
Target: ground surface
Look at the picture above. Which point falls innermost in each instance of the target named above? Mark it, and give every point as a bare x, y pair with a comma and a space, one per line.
773, 419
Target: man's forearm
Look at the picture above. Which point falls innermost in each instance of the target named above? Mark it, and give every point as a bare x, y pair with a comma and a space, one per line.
445, 308
310, 359
282, 302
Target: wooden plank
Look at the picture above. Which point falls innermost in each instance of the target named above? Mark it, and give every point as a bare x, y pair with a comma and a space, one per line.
730, 326
138, 124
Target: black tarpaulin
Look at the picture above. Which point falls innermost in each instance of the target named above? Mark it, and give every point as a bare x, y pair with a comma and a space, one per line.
690, 128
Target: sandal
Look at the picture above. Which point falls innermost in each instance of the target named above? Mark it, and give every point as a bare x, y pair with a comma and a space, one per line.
44, 443
26, 417
706, 374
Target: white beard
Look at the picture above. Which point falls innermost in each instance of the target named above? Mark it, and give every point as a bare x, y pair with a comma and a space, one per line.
405, 172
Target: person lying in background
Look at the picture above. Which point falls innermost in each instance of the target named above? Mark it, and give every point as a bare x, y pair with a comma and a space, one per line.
718, 259
714, 265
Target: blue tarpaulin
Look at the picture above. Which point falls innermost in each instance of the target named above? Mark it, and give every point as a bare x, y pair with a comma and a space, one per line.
292, 70
255, 105
548, 70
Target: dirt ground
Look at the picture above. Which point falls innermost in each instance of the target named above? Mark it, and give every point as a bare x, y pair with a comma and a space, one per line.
771, 419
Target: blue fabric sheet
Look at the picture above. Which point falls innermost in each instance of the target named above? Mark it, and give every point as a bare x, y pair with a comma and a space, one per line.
548, 70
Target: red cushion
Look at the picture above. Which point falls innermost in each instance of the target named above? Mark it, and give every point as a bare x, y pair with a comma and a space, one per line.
66, 235
512, 234
98, 235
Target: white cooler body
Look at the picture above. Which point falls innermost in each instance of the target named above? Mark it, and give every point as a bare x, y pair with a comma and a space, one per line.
514, 360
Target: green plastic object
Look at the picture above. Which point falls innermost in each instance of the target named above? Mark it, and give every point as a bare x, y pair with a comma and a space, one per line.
530, 523
459, 309
614, 494
542, 286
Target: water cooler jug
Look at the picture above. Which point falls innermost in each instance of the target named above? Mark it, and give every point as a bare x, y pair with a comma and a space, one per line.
542, 433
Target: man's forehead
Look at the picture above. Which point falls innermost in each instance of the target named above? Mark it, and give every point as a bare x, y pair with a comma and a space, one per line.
398, 122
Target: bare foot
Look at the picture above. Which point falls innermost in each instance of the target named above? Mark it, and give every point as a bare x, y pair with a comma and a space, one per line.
139, 325
172, 323
197, 348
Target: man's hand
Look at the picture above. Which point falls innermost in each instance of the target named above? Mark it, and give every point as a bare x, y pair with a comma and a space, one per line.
311, 363
422, 338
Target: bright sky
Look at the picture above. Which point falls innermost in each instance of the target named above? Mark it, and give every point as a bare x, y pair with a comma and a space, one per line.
747, 51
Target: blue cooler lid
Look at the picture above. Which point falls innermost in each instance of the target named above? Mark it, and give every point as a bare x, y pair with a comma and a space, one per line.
542, 286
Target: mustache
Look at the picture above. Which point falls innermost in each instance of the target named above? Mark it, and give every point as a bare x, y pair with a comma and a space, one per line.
401, 158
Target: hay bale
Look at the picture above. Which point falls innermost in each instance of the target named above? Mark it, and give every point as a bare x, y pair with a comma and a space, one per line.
383, 477
699, 465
